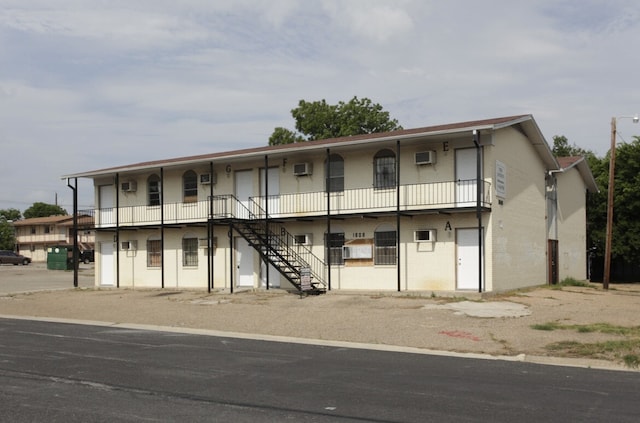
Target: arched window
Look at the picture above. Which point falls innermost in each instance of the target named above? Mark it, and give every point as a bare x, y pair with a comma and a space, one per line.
384, 239
190, 250
190, 187
153, 190
384, 169
335, 176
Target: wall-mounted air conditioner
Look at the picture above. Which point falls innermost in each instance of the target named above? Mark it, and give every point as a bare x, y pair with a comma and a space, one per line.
129, 186
425, 157
303, 239
208, 178
129, 245
302, 169
362, 251
424, 235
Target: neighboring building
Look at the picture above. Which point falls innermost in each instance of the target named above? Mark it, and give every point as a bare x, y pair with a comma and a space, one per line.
35, 236
388, 211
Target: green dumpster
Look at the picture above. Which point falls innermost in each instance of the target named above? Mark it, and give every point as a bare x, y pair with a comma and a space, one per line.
57, 258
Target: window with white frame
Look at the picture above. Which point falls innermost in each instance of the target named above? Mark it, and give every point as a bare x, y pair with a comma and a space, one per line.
335, 178
385, 246
189, 251
190, 187
334, 244
384, 169
153, 189
154, 252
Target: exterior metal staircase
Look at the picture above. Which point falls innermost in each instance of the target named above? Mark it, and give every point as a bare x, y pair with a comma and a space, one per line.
303, 269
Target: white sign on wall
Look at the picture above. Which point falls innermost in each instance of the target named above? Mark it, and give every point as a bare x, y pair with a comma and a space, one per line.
501, 180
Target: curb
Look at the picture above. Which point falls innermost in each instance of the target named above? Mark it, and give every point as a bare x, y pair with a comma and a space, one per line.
524, 358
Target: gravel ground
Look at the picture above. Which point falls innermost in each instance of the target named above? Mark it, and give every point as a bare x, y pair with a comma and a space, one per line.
495, 325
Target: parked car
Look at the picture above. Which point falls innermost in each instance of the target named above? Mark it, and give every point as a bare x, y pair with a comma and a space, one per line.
9, 257
87, 256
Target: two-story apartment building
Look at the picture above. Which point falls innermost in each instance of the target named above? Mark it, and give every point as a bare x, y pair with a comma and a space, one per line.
463, 206
35, 236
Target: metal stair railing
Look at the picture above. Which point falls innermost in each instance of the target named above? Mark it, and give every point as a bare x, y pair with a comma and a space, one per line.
279, 249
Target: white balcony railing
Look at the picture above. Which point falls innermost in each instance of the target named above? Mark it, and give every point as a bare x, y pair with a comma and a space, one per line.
431, 196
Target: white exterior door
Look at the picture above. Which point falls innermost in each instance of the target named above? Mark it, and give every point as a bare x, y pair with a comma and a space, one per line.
106, 264
466, 177
244, 263
244, 190
468, 261
273, 201
107, 205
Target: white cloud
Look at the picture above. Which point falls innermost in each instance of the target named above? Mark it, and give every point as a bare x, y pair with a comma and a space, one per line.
141, 80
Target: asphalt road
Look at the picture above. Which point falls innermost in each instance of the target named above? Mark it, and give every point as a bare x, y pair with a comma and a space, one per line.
79, 373
36, 277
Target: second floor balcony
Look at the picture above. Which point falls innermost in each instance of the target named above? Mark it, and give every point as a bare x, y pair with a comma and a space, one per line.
436, 196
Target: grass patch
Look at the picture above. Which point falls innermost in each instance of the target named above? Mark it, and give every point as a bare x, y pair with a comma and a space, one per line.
625, 350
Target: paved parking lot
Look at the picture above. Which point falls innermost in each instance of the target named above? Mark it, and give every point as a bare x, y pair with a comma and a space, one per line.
36, 277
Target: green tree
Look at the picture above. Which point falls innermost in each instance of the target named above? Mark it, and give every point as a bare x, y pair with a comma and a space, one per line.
561, 148
7, 233
320, 120
44, 210
626, 225
10, 214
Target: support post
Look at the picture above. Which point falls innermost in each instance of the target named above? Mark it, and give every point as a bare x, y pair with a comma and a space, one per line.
162, 227
328, 240
610, 198
76, 256
117, 230
232, 270
266, 217
479, 191
398, 214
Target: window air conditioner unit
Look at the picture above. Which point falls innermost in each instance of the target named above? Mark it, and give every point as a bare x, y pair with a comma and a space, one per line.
129, 186
302, 169
208, 178
357, 252
302, 239
128, 245
425, 157
424, 235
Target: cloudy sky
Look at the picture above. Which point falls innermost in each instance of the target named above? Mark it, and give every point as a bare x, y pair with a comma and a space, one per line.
88, 84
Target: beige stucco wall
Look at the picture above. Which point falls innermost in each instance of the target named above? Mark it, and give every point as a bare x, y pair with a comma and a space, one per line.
572, 223
516, 237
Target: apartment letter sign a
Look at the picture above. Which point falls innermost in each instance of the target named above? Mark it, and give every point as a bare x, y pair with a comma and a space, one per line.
501, 180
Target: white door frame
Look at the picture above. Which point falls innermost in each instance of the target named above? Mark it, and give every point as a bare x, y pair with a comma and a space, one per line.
467, 259
243, 190
106, 264
244, 263
466, 176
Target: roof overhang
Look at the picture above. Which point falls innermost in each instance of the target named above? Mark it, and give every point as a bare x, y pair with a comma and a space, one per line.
525, 122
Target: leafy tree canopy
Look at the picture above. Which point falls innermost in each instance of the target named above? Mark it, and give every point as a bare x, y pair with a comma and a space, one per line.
44, 210
10, 214
319, 120
7, 236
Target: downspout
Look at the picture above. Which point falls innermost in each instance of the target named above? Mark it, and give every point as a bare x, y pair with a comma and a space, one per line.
76, 257
398, 213
479, 190
117, 230
266, 216
162, 227
328, 241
